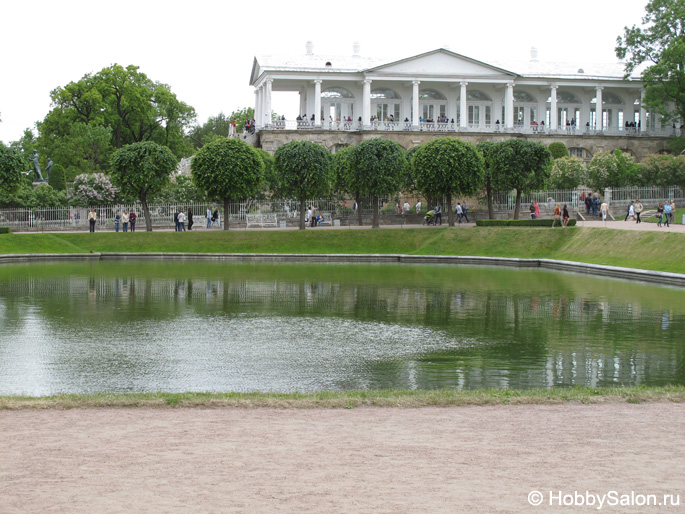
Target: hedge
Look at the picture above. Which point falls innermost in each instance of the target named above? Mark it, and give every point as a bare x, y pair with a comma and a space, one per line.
547, 222
5, 230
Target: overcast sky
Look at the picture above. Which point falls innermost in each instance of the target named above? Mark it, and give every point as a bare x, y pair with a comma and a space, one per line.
204, 49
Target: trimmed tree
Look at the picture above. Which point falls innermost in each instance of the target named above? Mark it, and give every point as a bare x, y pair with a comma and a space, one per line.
377, 168
228, 170
493, 179
142, 170
342, 177
304, 171
11, 167
558, 150
522, 165
663, 170
445, 167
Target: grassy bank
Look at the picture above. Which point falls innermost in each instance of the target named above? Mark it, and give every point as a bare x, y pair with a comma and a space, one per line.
661, 251
353, 399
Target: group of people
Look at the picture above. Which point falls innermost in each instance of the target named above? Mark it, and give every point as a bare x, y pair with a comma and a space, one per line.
592, 203
213, 217
125, 219
314, 218
180, 218
665, 213
434, 216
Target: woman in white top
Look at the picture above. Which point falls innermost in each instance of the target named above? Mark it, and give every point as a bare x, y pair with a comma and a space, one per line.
124, 220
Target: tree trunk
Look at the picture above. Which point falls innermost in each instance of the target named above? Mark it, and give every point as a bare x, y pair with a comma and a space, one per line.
226, 209
374, 202
450, 211
517, 207
303, 206
146, 212
491, 208
357, 199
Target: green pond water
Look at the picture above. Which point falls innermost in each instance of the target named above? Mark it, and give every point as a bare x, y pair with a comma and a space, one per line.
141, 326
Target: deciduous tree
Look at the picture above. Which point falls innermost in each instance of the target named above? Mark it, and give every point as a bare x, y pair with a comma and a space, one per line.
567, 173
445, 167
304, 170
377, 167
11, 168
228, 170
141, 170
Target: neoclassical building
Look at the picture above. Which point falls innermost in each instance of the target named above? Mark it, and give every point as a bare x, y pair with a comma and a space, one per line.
445, 91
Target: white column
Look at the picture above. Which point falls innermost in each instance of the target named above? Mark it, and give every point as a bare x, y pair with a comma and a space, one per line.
366, 103
303, 101
643, 112
509, 106
317, 103
553, 111
599, 110
463, 121
415, 103
257, 107
267, 103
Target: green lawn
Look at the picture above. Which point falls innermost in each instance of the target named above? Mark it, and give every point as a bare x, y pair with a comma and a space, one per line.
661, 251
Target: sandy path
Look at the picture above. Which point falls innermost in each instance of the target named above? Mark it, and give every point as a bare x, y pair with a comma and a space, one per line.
466, 459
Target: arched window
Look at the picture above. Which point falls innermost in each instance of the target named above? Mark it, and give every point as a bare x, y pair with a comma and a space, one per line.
476, 96
522, 96
564, 97
384, 94
431, 94
581, 153
336, 92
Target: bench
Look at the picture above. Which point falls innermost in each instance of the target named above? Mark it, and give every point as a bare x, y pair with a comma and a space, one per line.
262, 220
327, 219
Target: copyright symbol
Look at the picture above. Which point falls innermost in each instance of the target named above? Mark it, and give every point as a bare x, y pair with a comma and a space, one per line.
535, 498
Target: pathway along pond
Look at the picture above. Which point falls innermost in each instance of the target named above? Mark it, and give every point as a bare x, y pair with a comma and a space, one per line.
209, 326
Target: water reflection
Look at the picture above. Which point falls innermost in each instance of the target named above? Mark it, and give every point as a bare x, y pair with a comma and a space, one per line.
145, 326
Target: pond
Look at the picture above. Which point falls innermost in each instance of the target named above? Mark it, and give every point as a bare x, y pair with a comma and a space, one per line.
147, 326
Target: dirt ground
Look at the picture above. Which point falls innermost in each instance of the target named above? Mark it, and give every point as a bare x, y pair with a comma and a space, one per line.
458, 459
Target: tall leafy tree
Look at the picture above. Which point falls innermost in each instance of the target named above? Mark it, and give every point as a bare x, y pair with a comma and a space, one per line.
494, 179
304, 170
377, 169
660, 44
344, 180
11, 167
228, 170
521, 165
445, 167
142, 170
663, 170
567, 173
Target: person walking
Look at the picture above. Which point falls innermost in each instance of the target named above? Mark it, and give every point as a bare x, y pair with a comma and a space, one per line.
190, 218
557, 214
438, 213
181, 222
565, 216
673, 211
117, 219
92, 219
659, 214
314, 216
532, 211
604, 208
465, 213
667, 214
630, 213
459, 212
638, 209
125, 219
176, 226
209, 218
215, 217
132, 219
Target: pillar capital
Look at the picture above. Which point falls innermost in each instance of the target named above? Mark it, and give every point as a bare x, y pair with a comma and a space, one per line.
415, 82
463, 83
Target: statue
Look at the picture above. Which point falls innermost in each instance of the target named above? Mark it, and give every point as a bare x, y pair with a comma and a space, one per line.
48, 169
36, 165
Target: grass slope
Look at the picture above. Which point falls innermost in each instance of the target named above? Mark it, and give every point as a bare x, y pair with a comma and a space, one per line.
661, 251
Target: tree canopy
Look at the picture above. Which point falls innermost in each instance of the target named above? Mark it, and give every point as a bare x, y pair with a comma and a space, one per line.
304, 171
567, 173
660, 44
612, 169
11, 168
377, 167
141, 170
228, 170
448, 167
107, 110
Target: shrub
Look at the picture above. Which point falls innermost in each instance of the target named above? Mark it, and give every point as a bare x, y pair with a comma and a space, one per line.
558, 150
521, 223
5, 230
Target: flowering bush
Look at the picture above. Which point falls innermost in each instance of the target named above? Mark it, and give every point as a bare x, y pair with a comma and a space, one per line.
92, 189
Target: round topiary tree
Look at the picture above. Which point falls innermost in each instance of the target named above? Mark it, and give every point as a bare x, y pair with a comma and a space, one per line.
304, 171
228, 170
142, 170
558, 150
445, 167
377, 168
